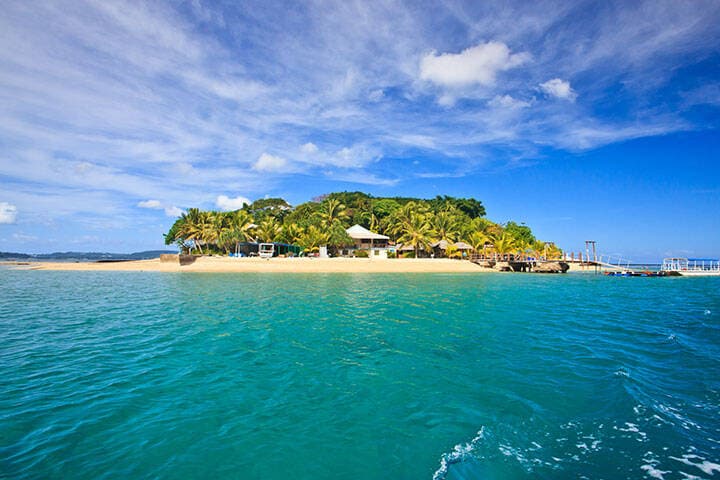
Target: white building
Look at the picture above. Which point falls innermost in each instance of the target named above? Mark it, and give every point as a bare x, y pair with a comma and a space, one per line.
375, 244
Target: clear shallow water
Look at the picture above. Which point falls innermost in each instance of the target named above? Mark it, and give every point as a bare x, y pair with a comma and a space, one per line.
150, 375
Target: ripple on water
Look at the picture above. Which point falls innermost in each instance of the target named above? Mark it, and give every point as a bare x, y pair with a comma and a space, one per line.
357, 376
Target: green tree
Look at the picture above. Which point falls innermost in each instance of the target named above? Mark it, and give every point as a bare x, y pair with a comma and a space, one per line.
504, 245
291, 233
417, 232
332, 212
446, 225
241, 226
268, 230
312, 238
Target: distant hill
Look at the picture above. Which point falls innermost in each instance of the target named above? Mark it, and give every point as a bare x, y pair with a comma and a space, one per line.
91, 256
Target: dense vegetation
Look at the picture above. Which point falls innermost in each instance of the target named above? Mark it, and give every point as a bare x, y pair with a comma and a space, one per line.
322, 221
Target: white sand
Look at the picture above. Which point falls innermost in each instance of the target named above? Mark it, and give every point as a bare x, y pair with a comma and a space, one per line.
280, 265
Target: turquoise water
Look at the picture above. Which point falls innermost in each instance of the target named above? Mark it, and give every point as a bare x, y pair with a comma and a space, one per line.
418, 376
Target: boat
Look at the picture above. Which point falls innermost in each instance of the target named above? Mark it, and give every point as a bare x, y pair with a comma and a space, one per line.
631, 273
691, 267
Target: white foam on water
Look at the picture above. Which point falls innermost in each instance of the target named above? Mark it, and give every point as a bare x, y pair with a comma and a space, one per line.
622, 372
650, 468
633, 428
687, 476
459, 452
707, 467
654, 472
685, 423
708, 312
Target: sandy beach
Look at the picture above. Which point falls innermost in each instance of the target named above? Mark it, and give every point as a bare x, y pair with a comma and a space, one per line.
279, 265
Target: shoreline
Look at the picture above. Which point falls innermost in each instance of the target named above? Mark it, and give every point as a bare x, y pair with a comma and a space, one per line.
274, 265
259, 265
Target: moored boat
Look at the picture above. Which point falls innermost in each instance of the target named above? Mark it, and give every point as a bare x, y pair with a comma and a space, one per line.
692, 267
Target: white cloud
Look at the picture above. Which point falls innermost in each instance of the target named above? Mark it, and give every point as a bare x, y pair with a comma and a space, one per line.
476, 65
309, 148
173, 211
376, 95
507, 101
226, 203
22, 237
155, 204
558, 88
270, 163
8, 213
170, 210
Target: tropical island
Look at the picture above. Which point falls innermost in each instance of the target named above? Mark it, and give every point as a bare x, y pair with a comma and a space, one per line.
444, 226
345, 232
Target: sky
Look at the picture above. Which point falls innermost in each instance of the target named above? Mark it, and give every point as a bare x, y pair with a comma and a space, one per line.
584, 120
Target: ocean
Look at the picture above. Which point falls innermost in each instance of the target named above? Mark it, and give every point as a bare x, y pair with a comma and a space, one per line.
358, 376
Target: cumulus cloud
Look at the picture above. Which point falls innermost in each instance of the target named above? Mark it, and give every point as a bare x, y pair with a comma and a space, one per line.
8, 213
309, 148
558, 88
170, 210
270, 163
507, 101
478, 65
227, 204
173, 211
155, 204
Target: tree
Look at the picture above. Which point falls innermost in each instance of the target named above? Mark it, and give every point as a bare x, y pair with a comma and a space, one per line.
291, 233
241, 225
268, 231
469, 206
304, 215
274, 207
332, 212
520, 232
417, 232
504, 245
478, 240
312, 238
445, 224
190, 228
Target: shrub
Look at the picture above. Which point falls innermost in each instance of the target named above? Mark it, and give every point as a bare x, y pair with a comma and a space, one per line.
361, 253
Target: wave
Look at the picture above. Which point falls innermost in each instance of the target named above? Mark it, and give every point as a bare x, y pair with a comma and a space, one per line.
458, 454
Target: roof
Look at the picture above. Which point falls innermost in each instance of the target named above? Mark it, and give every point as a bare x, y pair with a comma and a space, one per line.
358, 232
443, 245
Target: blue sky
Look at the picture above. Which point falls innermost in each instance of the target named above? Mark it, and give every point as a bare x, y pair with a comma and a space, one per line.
586, 120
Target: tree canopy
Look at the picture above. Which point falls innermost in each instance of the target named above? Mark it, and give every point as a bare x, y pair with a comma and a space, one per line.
412, 221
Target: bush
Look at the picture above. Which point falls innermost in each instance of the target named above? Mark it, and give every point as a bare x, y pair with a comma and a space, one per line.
391, 255
361, 254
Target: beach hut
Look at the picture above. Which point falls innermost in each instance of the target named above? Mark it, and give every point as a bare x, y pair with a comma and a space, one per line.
375, 244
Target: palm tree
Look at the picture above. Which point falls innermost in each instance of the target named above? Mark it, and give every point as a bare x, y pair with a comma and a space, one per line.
398, 221
478, 240
446, 225
332, 212
504, 245
269, 230
291, 232
241, 225
416, 231
374, 223
312, 238
190, 228
207, 227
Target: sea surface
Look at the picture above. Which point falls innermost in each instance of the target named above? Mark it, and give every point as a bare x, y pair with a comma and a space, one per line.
358, 376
